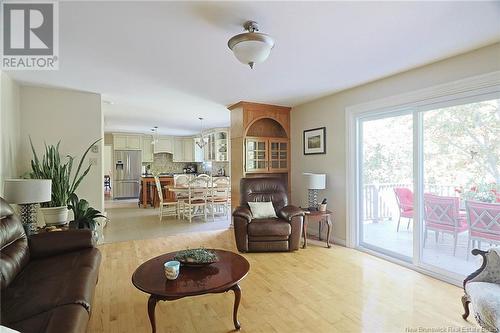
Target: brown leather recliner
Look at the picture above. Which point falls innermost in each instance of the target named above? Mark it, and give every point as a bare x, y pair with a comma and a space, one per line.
266, 235
47, 280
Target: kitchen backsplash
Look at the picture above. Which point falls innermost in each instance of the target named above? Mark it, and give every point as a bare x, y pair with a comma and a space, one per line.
163, 163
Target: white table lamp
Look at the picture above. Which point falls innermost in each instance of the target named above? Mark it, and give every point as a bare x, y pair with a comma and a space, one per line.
314, 182
28, 193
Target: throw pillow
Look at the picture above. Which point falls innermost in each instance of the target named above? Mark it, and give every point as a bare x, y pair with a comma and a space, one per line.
262, 210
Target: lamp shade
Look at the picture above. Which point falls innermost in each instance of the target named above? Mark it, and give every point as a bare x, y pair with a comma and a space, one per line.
27, 191
315, 181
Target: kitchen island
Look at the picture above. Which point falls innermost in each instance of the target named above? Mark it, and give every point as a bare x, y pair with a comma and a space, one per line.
149, 194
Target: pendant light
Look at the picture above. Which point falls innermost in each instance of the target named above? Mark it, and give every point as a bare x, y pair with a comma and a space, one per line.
156, 135
251, 47
201, 141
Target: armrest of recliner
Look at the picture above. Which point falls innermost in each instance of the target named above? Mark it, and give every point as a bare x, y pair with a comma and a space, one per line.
47, 244
289, 212
243, 212
242, 216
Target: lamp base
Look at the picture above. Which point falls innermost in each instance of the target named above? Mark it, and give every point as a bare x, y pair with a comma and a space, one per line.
28, 214
313, 200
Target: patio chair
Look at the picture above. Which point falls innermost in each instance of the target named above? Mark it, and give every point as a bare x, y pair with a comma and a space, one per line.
404, 198
484, 223
441, 214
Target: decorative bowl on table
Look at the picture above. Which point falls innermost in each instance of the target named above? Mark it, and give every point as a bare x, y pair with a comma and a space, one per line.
196, 257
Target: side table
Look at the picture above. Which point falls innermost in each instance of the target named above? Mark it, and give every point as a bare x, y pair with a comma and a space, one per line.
320, 217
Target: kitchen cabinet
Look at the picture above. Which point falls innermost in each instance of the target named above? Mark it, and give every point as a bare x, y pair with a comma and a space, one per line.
127, 142
178, 149
165, 144
278, 155
266, 155
217, 146
259, 144
186, 150
256, 155
147, 149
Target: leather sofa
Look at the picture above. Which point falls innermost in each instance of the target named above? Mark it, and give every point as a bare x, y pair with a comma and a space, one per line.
47, 280
272, 234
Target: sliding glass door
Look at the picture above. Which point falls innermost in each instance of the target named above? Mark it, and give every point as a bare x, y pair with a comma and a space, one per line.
386, 185
461, 175
427, 182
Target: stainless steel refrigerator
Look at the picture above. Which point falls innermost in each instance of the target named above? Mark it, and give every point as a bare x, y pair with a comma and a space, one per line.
127, 174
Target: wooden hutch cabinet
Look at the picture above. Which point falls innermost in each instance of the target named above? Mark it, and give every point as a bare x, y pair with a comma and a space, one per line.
260, 143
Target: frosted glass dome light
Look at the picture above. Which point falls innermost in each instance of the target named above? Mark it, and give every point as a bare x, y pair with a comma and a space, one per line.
251, 47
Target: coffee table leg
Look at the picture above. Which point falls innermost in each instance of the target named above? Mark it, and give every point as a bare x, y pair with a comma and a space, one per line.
151, 312
237, 297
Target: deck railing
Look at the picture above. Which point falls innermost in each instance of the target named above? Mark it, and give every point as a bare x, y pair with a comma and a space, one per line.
379, 200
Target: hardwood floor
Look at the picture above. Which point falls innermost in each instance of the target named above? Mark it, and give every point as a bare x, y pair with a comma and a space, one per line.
312, 290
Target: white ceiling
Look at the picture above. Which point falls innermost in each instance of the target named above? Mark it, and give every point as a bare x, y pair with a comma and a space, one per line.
167, 63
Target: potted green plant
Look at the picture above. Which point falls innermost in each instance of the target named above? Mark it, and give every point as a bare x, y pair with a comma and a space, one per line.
84, 216
64, 183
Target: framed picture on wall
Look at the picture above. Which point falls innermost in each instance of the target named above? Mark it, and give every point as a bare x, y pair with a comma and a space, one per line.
315, 141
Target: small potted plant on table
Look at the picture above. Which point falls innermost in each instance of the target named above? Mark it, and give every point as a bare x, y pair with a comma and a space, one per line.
85, 217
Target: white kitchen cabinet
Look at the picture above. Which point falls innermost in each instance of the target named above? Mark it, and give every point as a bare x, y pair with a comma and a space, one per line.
188, 144
198, 153
127, 142
186, 150
217, 146
179, 154
165, 144
147, 149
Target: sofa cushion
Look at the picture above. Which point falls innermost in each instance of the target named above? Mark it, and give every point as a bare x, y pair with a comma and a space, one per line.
71, 318
485, 299
13, 244
51, 282
269, 227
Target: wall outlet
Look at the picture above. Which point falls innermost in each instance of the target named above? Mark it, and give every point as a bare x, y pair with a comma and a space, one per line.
95, 149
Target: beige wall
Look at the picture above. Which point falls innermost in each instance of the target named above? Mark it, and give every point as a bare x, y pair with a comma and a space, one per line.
74, 117
330, 112
9, 129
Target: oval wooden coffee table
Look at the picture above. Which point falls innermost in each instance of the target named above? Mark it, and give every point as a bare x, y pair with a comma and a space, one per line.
218, 277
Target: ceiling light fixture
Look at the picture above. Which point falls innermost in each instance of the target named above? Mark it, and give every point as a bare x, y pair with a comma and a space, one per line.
201, 141
251, 47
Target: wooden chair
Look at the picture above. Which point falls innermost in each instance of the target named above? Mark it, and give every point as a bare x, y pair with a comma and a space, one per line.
197, 201
219, 197
167, 208
181, 181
